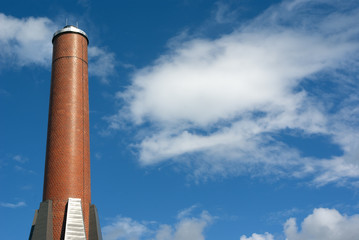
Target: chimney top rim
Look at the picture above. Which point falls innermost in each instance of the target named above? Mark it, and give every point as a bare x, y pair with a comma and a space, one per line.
70, 29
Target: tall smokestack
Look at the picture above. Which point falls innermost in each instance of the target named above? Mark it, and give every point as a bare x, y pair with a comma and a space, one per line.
66, 211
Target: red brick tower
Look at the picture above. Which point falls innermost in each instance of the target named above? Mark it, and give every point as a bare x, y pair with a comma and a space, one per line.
67, 187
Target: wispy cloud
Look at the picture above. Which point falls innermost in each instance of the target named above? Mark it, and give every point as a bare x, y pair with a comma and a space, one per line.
27, 41
12, 205
84, 3
224, 13
20, 159
24, 170
4, 93
186, 212
277, 217
102, 63
217, 105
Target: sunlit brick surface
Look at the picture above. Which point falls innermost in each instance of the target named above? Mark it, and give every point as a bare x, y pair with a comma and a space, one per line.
67, 168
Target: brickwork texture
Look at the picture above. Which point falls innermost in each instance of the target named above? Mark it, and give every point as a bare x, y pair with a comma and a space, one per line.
67, 166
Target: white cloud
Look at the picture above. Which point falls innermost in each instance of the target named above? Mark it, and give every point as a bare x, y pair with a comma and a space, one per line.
255, 236
324, 224
124, 228
164, 233
26, 41
207, 81
187, 227
191, 228
221, 102
12, 205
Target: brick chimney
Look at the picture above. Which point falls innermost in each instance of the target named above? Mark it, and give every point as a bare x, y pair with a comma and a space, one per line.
67, 179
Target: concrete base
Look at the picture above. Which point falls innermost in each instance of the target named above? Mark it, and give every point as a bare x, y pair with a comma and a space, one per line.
41, 228
95, 229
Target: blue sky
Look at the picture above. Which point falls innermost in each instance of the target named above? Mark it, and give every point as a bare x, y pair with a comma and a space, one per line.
208, 119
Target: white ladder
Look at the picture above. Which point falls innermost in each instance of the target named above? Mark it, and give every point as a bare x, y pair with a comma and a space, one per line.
75, 228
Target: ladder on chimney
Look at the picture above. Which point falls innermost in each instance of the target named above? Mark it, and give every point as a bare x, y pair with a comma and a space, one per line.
75, 228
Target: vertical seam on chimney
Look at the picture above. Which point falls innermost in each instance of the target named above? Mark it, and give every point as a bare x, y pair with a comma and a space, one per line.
83, 124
